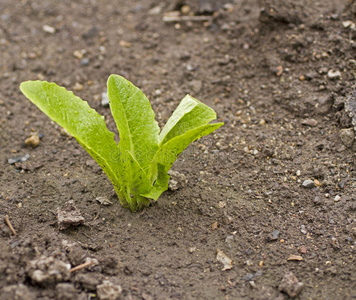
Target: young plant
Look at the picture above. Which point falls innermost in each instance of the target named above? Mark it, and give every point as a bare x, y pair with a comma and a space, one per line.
138, 165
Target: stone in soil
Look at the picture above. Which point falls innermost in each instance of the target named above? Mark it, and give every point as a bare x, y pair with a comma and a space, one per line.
69, 216
303, 229
337, 198
33, 140
105, 100
293, 257
18, 159
48, 29
310, 122
332, 74
248, 277
224, 259
308, 184
273, 236
84, 61
302, 249
291, 285
78, 86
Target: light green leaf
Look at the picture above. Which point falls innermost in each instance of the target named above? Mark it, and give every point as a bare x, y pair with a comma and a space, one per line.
160, 185
81, 121
135, 181
189, 114
169, 152
135, 120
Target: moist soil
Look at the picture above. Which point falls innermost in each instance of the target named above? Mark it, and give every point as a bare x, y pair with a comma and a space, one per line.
273, 189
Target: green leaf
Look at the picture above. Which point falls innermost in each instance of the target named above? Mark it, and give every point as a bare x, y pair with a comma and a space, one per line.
189, 114
160, 185
135, 182
169, 152
135, 120
81, 121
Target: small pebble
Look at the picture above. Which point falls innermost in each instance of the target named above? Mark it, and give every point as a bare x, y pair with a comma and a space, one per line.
221, 204
317, 200
337, 198
349, 24
85, 62
248, 277
155, 10
310, 122
78, 86
310, 75
302, 249
253, 284
317, 182
332, 74
225, 260
125, 44
291, 285
33, 140
79, 53
308, 184
18, 159
185, 9
273, 236
105, 100
48, 29
303, 229
293, 257
192, 249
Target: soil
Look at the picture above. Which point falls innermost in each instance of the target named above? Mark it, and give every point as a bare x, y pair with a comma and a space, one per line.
273, 189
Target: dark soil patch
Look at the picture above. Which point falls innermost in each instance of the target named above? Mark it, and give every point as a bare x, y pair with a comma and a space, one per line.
278, 74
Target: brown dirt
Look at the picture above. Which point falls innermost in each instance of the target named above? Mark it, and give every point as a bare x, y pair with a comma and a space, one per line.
262, 65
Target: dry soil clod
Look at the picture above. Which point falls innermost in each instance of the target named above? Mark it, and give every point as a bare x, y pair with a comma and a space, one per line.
69, 216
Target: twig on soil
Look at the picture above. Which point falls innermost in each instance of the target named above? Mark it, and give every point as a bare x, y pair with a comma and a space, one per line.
8, 223
186, 18
82, 266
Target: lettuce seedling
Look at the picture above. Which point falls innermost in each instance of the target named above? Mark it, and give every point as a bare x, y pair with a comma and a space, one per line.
138, 165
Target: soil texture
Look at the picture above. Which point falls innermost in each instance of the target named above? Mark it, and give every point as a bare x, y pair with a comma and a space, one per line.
264, 208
